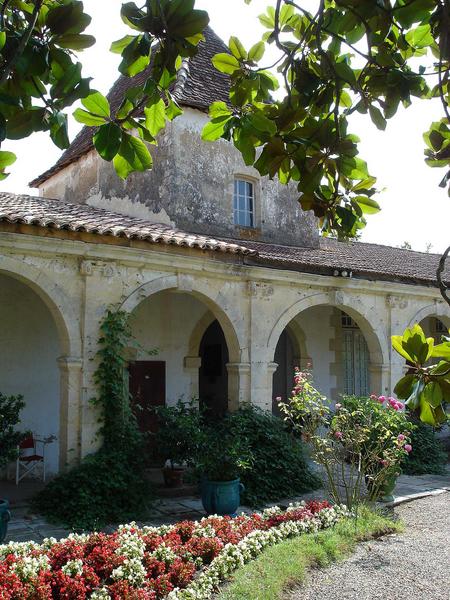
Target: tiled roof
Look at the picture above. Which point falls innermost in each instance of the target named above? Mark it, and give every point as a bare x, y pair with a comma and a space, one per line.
53, 214
367, 261
198, 85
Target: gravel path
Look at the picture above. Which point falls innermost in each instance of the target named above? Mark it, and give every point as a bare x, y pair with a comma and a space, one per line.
414, 565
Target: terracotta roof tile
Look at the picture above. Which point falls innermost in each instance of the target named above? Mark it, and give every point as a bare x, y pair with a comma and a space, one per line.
199, 84
367, 261
54, 214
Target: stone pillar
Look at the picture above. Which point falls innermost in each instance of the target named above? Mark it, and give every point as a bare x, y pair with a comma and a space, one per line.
398, 321
70, 410
238, 385
379, 378
262, 384
192, 365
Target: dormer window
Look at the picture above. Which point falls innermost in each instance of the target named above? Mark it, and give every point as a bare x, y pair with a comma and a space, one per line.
244, 203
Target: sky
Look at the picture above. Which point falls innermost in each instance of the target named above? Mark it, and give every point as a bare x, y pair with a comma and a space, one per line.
414, 208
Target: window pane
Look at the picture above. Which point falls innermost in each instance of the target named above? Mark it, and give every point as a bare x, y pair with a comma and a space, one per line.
249, 189
242, 187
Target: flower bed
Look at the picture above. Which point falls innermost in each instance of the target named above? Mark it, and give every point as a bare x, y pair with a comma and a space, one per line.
179, 562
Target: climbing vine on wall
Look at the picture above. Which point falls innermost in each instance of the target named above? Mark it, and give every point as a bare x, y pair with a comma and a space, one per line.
108, 486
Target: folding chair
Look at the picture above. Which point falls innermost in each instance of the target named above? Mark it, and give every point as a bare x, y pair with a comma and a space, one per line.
28, 458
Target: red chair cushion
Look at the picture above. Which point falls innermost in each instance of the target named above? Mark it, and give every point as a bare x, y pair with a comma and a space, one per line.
32, 458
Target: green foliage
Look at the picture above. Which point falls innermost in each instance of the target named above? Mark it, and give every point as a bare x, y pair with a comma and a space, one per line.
426, 388
40, 76
110, 485
278, 465
344, 57
107, 487
427, 455
359, 443
179, 432
223, 455
10, 407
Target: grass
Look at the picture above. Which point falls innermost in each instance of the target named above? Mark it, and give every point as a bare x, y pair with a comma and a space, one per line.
281, 567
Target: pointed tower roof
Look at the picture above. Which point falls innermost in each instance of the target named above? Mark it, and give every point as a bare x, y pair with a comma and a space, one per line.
198, 85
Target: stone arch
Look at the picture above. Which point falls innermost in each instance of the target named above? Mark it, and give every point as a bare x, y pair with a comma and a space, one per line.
378, 349
68, 367
198, 333
298, 339
190, 286
431, 310
53, 297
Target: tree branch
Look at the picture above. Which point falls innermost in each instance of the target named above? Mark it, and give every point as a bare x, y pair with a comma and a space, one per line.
443, 287
6, 70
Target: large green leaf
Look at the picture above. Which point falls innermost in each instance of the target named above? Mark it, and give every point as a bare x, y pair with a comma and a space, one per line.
87, 118
441, 351
97, 104
397, 344
367, 205
75, 41
107, 140
6, 159
432, 393
155, 117
133, 156
237, 49
225, 63
215, 128
404, 387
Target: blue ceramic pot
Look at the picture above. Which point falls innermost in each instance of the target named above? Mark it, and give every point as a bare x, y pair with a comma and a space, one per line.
221, 497
5, 516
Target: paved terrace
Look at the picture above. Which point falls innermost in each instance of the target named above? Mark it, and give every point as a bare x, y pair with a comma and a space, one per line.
25, 525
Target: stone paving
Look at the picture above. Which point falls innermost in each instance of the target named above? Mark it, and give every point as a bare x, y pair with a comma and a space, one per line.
25, 525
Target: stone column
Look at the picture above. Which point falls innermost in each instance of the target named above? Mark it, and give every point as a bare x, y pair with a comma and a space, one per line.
379, 378
192, 365
262, 384
70, 410
238, 385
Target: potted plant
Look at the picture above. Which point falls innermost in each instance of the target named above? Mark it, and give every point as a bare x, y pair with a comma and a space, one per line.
10, 407
177, 439
223, 457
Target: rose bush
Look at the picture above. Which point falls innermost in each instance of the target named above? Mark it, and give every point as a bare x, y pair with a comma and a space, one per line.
359, 442
181, 562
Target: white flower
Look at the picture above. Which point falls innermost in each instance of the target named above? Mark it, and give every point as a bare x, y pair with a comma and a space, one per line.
132, 570
73, 567
100, 594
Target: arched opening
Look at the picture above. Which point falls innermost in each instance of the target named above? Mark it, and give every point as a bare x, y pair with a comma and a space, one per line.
29, 351
213, 374
283, 378
180, 352
434, 327
332, 342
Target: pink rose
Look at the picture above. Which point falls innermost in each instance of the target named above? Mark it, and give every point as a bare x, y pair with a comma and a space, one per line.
385, 463
338, 406
339, 435
408, 448
381, 399
400, 405
278, 399
373, 397
401, 437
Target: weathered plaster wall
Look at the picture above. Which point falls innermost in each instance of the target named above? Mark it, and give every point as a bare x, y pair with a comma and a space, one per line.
190, 186
29, 350
71, 283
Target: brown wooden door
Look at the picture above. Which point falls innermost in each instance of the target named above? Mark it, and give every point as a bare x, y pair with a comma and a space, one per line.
147, 386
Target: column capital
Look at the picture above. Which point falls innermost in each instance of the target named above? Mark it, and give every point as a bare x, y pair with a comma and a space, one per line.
70, 362
192, 362
272, 367
240, 368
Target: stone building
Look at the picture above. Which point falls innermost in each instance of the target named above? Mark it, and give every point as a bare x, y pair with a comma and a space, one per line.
227, 281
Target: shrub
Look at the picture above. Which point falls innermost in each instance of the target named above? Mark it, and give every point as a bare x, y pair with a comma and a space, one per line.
279, 468
359, 442
427, 456
107, 487
10, 407
110, 485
